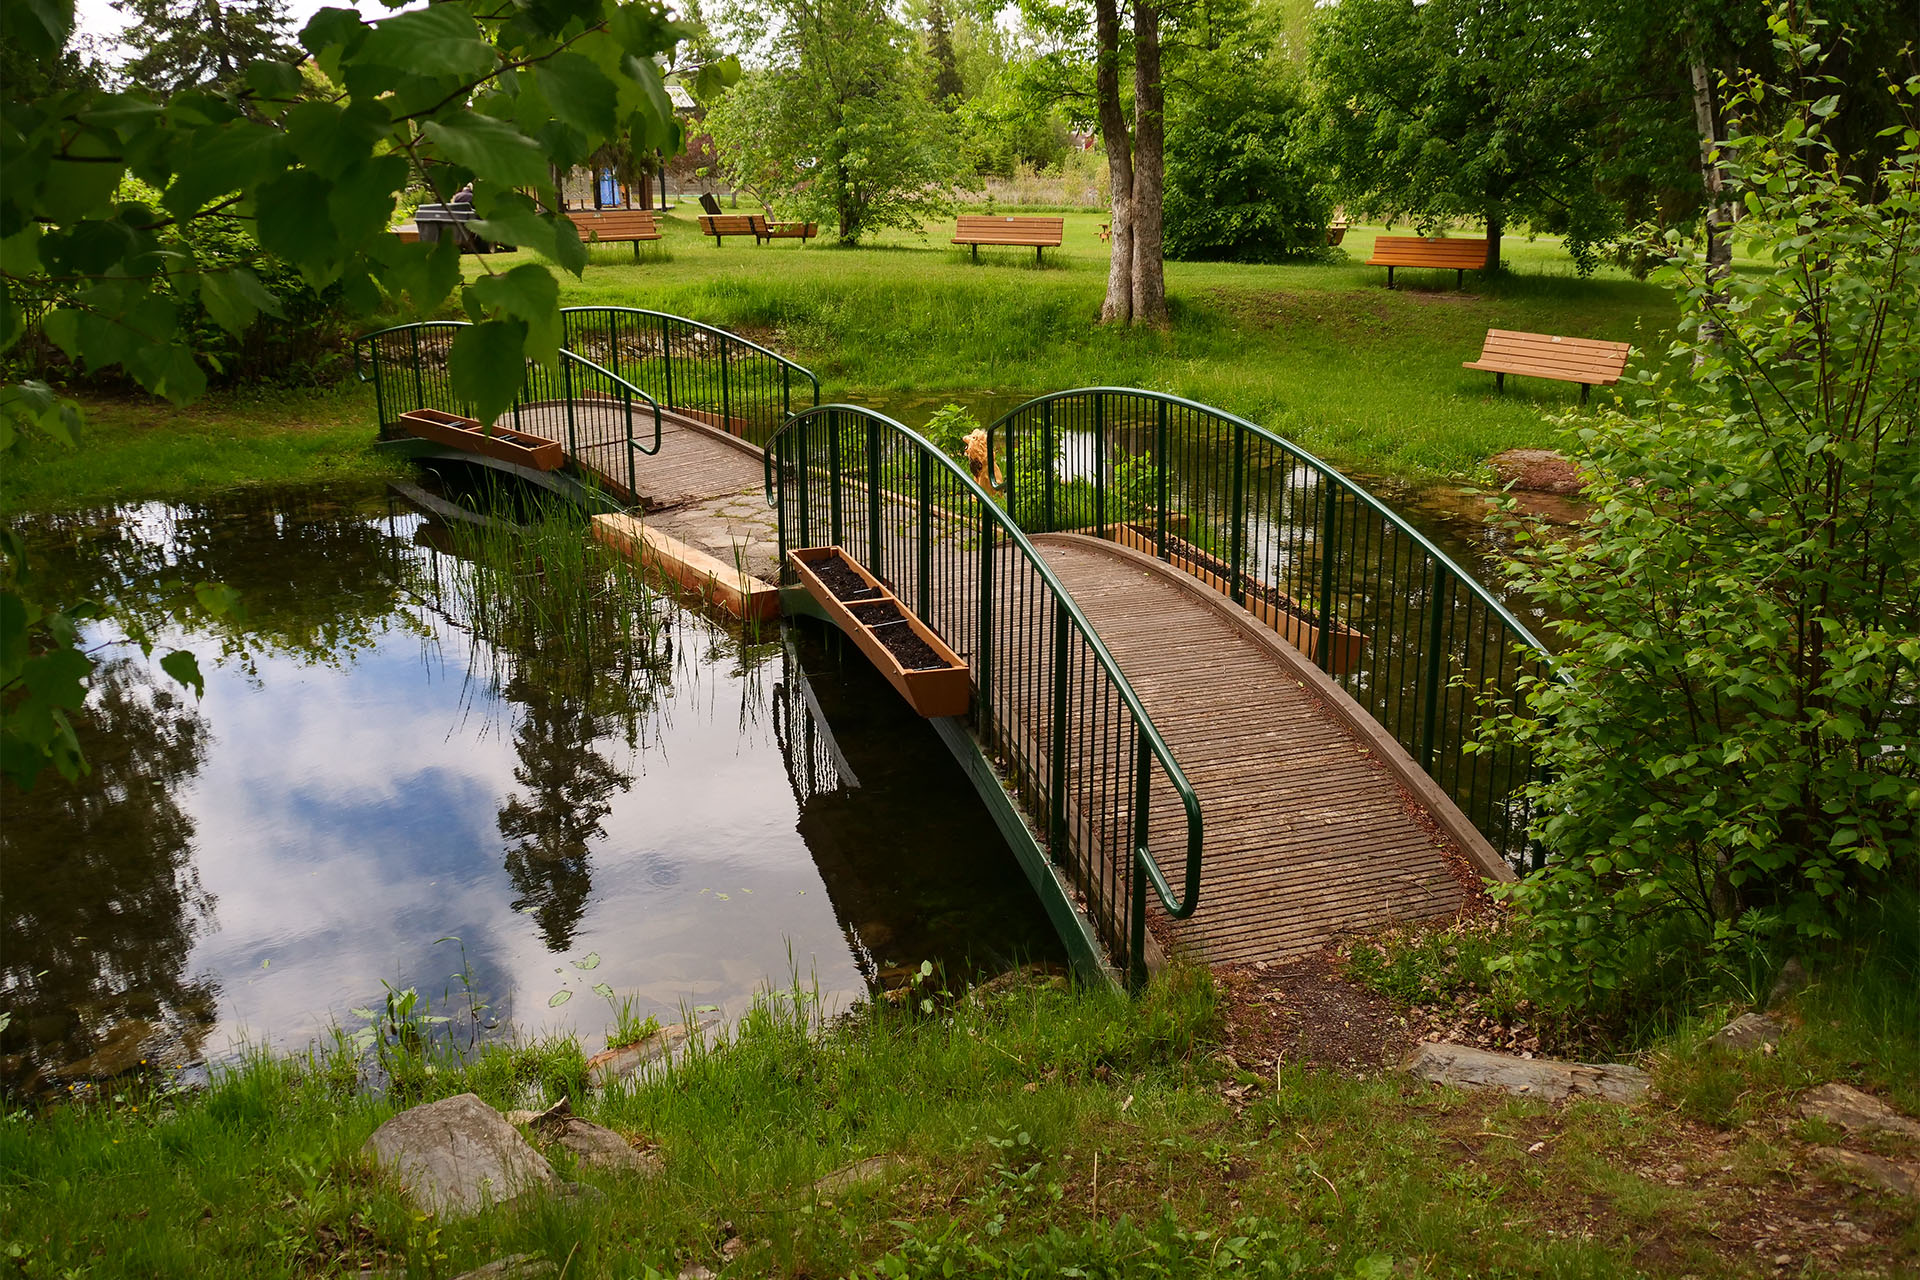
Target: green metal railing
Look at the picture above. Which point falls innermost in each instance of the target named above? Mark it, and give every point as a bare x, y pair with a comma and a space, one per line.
589, 409
1077, 748
695, 369
1420, 644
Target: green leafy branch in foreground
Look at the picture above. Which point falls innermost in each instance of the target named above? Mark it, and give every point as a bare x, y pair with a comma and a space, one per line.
1734, 747
502, 97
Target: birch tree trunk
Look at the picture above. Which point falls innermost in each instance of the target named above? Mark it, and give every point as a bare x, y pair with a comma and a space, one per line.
1719, 217
1118, 306
1149, 168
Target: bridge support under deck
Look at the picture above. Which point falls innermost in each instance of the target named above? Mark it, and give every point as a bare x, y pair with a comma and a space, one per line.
1076, 931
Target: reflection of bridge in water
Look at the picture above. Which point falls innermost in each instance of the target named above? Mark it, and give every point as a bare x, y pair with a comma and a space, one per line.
1223, 699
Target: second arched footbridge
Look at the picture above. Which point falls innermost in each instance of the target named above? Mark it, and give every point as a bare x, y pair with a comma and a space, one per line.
1221, 700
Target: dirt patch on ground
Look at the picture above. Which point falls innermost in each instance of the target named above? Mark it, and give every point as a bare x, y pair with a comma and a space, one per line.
1306, 1011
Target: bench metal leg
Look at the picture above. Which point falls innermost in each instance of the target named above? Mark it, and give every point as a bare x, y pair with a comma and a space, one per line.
976, 253
1584, 389
1036, 255
1389, 277
1499, 382
1460, 279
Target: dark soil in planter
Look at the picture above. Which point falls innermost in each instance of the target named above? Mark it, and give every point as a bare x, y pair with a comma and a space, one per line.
913, 653
838, 577
875, 612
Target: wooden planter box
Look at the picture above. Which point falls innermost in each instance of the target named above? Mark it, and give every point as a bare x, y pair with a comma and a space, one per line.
1296, 623
937, 691
520, 447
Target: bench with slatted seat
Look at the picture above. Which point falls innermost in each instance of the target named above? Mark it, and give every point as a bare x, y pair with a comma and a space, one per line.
979, 229
1587, 361
733, 224
616, 226
1457, 256
770, 230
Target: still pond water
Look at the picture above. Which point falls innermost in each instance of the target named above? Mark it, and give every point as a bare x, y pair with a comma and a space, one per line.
373, 792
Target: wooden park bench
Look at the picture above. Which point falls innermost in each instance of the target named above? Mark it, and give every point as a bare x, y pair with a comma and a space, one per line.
1457, 256
1587, 361
786, 230
979, 229
613, 226
733, 224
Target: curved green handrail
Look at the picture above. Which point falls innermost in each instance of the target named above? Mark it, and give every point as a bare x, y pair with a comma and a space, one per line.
1473, 584
1150, 737
715, 330
566, 357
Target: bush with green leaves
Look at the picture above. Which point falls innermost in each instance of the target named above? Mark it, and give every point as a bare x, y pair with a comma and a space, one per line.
1732, 742
1241, 181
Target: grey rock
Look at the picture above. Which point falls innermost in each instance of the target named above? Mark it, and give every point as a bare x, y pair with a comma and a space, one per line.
591, 1144
872, 1169
1546, 1079
695, 1272
1898, 1176
458, 1155
1790, 982
1856, 1112
1748, 1032
518, 1266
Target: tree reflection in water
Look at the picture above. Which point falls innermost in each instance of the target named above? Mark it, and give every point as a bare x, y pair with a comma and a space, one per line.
100, 900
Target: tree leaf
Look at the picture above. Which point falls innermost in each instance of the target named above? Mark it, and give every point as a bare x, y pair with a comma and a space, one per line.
491, 149
530, 294
185, 670
489, 365
559, 998
603, 990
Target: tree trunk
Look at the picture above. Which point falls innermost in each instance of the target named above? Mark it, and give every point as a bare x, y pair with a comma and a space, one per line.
1118, 307
1719, 217
1149, 168
1496, 223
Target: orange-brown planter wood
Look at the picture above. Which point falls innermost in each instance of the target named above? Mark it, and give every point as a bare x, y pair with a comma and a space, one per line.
937, 691
504, 443
1293, 621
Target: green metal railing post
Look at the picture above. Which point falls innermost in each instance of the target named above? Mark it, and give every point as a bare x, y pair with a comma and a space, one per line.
873, 497
1431, 712
780, 454
1160, 480
1100, 464
573, 443
1237, 540
1323, 650
1047, 512
379, 383
984, 657
1137, 899
800, 475
833, 477
1057, 738
1012, 476
626, 405
726, 396
419, 376
923, 571
666, 360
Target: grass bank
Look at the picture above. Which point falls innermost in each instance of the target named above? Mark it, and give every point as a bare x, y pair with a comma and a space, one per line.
135, 449
1035, 1131
1321, 352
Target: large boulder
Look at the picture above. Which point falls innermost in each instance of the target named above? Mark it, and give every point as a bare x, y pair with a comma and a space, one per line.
457, 1156
1544, 1079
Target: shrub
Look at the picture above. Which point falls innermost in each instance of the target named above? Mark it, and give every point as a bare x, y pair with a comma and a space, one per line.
1733, 745
1240, 186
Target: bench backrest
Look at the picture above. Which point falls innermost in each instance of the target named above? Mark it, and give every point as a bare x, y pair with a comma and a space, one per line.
729, 224
1586, 359
708, 202
992, 229
1418, 251
614, 223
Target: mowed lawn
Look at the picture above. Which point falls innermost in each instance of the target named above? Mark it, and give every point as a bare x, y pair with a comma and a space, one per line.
1323, 353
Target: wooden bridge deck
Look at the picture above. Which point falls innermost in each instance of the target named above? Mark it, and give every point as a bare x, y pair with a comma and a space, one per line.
1317, 824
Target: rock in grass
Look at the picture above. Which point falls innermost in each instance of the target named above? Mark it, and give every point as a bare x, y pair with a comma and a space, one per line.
627, 1060
1748, 1032
1898, 1176
1546, 1079
518, 1266
1856, 1112
872, 1169
458, 1155
591, 1144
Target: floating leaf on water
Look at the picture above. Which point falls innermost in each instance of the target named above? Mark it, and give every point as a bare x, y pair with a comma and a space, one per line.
591, 962
603, 990
559, 998
723, 897
368, 1014
706, 1008
265, 963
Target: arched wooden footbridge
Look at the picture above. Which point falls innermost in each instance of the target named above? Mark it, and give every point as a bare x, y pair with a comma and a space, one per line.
1221, 700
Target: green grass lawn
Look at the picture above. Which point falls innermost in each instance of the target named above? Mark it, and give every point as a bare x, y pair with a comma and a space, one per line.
1323, 353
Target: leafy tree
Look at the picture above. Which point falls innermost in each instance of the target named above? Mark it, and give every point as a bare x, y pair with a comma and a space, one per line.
947, 88
1733, 745
190, 44
839, 126
1241, 183
458, 91
1457, 109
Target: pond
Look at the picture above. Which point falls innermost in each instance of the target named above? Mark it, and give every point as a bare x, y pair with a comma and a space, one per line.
375, 790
